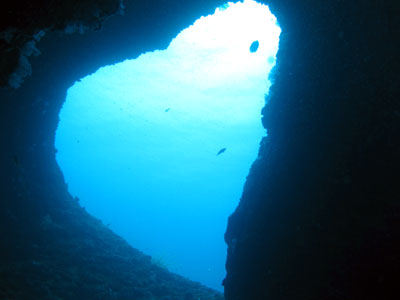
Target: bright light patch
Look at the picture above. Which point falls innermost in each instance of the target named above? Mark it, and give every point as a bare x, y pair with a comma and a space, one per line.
138, 141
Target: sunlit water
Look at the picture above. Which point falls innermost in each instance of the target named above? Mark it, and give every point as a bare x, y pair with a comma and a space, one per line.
138, 141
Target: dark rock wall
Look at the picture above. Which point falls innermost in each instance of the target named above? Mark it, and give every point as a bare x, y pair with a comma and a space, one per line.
50, 247
23, 23
319, 217
320, 214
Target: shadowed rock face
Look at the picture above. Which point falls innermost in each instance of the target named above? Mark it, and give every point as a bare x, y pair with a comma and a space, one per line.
320, 213
319, 217
51, 248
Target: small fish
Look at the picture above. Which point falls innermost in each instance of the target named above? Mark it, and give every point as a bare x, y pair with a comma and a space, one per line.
167, 110
254, 46
221, 151
16, 160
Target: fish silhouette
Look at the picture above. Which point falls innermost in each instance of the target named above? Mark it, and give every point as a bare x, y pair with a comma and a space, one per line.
221, 151
254, 46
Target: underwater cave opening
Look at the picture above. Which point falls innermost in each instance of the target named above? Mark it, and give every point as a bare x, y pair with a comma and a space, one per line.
159, 147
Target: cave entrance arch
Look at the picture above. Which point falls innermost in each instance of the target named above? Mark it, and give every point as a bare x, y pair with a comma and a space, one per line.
159, 147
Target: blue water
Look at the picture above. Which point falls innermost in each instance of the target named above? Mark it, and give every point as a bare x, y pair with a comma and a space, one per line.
138, 141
